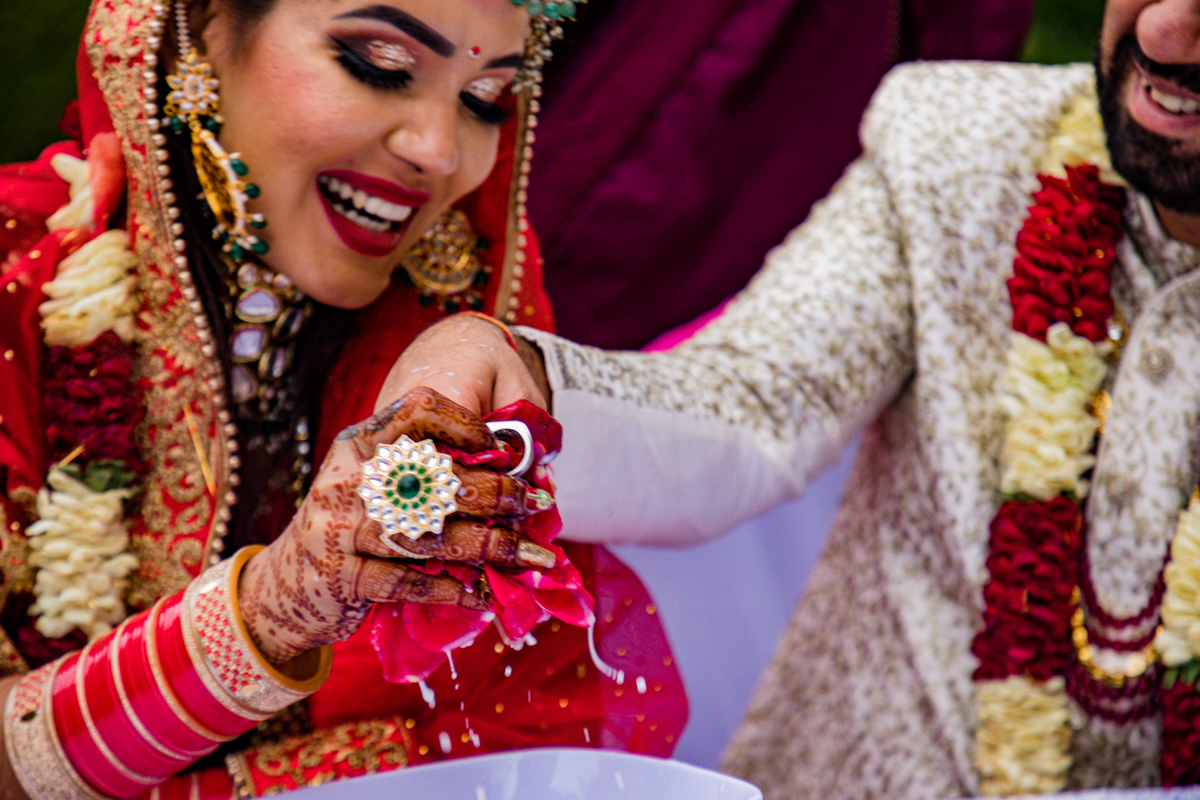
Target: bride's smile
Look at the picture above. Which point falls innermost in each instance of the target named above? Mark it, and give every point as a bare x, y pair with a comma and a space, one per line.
361, 123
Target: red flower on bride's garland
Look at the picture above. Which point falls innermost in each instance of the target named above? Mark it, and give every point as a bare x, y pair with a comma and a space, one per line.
1065, 250
89, 402
1033, 560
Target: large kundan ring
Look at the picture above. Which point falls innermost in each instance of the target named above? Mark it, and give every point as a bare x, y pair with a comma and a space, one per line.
409, 488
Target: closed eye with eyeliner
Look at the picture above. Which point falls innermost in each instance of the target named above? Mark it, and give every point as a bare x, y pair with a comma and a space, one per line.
388, 66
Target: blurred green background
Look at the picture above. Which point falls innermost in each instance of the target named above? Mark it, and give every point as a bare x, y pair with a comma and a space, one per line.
38, 40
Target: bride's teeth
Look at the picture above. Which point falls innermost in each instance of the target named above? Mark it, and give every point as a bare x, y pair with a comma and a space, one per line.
1174, 103
372, 213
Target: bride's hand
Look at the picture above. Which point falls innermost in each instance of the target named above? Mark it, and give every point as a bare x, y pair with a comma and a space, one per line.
315, 584
469, 360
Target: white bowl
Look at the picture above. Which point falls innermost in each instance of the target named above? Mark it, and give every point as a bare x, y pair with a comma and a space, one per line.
543, 774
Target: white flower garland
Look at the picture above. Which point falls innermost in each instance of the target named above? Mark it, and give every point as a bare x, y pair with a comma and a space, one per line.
93, 292
1024, 736
79, 549
1048, 393
1179, 637
1023, 732
80, 540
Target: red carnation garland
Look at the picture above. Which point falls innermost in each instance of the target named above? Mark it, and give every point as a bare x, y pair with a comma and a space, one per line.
1062, 273
1037, 561
1065, 252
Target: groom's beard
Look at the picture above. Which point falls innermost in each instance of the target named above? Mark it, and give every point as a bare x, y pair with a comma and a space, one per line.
1166, 170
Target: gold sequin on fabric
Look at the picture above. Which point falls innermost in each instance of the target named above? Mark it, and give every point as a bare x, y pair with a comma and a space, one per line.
311, 759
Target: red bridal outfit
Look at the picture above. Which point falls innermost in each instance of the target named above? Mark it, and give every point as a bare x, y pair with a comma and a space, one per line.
155, 400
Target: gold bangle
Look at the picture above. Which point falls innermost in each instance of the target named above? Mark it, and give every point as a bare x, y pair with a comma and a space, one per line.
218, 639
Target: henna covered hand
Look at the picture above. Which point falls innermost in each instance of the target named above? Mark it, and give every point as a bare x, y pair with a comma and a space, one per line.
469, 361
315, 584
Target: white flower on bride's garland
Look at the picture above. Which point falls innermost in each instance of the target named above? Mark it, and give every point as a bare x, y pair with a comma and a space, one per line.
79, 547
1179, 638
93, 292
1048, 389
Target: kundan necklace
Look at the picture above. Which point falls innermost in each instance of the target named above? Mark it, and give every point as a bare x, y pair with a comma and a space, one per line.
1037, 652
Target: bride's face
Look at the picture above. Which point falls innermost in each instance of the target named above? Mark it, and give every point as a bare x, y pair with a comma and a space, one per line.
392, 102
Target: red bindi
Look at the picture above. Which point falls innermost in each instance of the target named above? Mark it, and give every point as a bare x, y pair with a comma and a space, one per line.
474, 52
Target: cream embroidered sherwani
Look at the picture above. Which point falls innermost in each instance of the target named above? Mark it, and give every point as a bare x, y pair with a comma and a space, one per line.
887, 310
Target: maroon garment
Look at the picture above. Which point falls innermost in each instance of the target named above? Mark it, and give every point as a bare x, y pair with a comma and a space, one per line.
681, 140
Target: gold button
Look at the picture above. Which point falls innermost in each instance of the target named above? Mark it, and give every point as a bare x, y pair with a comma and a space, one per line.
36, 254
12, 288
9, 355
12, 223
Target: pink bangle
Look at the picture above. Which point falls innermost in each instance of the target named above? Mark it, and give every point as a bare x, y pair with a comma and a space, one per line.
81, 743
130, 741
183, 673
149, 696
140, 704
508, 334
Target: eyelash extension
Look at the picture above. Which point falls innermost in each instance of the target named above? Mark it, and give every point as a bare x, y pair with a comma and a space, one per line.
367, 72
490, 113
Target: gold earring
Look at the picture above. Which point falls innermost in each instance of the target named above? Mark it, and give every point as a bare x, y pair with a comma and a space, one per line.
444, 266
193, 107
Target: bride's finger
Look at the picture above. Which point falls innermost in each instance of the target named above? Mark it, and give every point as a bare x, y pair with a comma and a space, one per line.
381, 581
465, 541
420, 414
487, 493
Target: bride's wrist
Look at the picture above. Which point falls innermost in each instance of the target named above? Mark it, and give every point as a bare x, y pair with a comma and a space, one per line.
144, 702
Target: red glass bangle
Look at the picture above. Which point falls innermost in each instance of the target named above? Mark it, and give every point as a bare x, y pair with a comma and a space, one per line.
182, 676
77, 742
135, 747
149, 697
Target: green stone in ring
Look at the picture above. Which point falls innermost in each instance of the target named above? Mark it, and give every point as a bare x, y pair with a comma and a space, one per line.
409, 487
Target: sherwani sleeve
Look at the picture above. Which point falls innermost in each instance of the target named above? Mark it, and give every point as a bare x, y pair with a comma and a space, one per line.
679, 446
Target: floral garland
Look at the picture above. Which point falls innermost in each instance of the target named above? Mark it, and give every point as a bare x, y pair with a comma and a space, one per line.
80, 541
1034, 652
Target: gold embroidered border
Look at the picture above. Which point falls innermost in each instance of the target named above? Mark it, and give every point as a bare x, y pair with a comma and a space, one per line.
178, 512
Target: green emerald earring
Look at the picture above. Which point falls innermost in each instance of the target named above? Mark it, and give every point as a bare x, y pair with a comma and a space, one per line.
193, 108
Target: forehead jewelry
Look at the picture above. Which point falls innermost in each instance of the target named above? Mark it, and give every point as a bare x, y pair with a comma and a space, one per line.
193, 107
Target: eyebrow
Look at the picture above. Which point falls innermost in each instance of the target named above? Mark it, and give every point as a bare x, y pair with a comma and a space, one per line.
506, 62
407, 24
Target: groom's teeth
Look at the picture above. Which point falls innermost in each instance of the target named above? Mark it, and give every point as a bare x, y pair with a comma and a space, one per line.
1174, 103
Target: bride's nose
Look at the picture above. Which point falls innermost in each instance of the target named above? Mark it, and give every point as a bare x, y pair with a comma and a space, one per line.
427, 138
